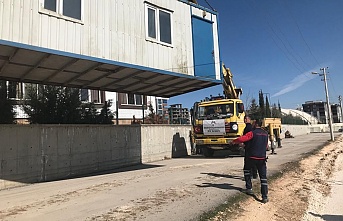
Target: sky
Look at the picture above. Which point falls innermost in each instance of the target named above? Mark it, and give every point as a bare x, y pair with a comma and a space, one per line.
274, 46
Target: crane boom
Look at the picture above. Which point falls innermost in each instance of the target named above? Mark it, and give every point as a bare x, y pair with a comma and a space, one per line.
230, 90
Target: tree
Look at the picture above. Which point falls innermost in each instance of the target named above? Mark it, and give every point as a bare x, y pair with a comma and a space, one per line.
253, 110
46, 104
152, 115
7, 113
68, 109
275, 112
105, 116
268, 113
294, 120
88, 114
261, 105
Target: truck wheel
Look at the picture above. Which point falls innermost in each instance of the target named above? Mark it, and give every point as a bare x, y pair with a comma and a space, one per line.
208, 152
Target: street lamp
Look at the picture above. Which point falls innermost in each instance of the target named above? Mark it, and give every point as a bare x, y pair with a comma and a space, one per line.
327, 100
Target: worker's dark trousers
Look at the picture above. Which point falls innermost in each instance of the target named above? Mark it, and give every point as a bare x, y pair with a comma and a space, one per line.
262, 172
253, 170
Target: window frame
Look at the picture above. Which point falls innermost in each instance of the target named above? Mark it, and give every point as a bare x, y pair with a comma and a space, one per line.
84, 95
59, 11
15, 90
134, 98
157, 24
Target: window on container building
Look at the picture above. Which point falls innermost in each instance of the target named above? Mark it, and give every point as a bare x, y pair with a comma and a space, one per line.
158, 24
68, 8
97, 96
12, 89
132, 99
50, 5
84, 95
15, 90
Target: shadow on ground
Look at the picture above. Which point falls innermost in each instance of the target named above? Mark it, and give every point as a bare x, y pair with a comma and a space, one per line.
327, 217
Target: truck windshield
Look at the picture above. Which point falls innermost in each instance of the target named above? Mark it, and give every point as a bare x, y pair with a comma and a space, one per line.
216, 111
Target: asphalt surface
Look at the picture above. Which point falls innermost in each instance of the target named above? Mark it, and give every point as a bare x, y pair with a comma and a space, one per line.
176, 189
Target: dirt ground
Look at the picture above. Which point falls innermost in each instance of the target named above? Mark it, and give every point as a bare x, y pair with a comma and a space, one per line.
304, 194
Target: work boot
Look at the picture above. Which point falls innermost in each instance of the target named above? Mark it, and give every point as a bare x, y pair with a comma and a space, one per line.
249, 191
265, 200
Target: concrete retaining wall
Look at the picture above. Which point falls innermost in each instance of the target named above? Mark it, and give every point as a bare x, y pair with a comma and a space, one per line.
325, 127
36, 153
297, 130
165, 141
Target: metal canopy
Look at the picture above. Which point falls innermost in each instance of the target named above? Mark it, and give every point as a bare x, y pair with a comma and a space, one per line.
31, 64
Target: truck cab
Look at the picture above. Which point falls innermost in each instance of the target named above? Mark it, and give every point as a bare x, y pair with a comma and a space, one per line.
215, 123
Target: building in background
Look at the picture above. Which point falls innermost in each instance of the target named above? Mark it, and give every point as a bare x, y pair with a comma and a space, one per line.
336, 113
129, 105
178, 114
162, 108
319, 110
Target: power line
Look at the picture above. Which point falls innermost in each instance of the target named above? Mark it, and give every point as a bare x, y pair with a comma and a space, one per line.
302, 36
209, 5
288, 43
287, 52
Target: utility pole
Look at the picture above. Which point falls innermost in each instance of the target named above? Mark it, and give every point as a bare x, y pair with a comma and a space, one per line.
340, 103
327, 100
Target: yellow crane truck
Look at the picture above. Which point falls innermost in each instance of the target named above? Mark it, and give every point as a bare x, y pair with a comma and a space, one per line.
216, 121
273, 127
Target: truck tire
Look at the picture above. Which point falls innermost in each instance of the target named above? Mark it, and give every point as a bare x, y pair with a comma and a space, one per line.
208, 152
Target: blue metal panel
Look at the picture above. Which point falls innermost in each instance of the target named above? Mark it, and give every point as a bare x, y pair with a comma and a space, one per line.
203, 48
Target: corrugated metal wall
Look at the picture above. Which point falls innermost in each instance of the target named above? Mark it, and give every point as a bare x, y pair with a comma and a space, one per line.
111, 29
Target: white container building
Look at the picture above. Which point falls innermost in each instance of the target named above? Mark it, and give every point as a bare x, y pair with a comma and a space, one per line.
134, 47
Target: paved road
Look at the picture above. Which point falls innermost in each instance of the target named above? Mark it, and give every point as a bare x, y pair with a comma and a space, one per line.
177, 189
